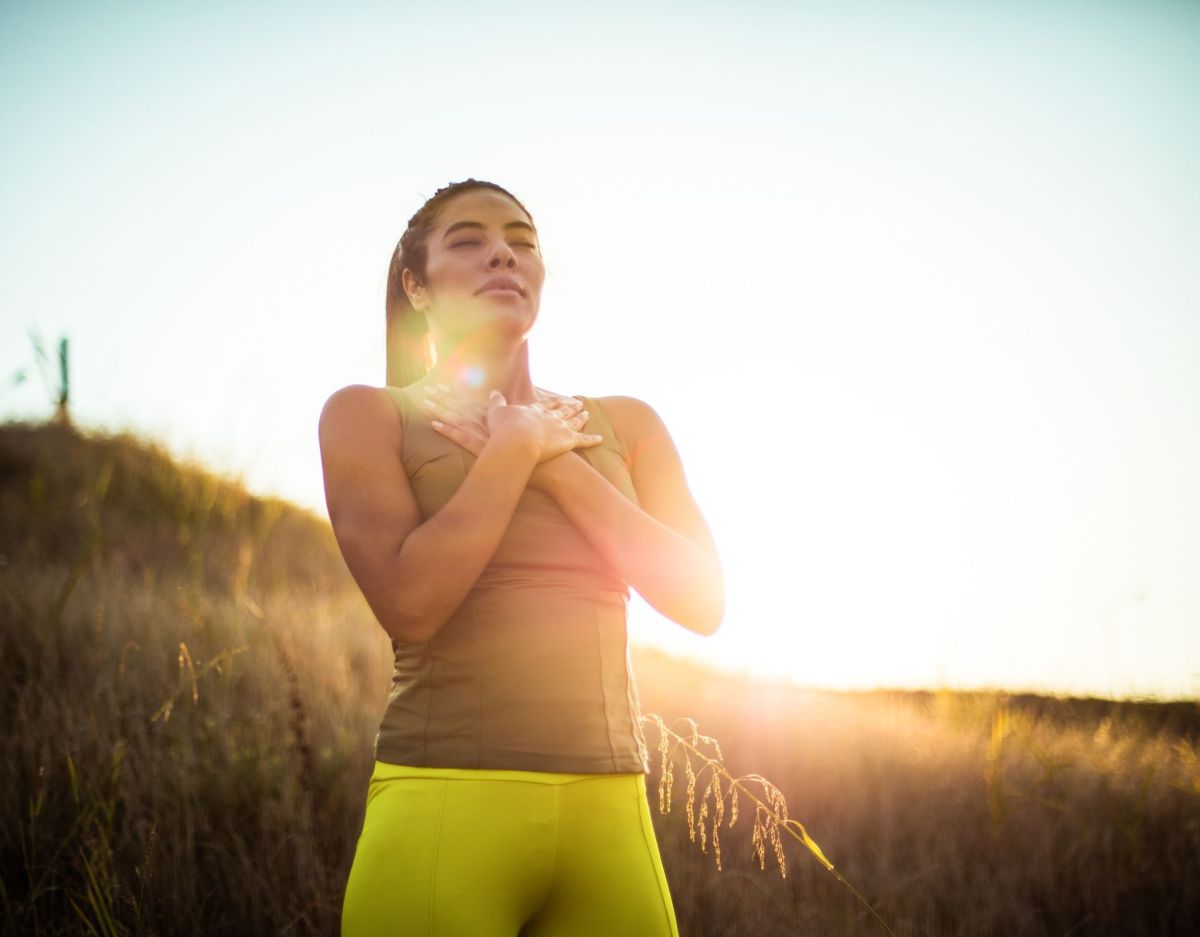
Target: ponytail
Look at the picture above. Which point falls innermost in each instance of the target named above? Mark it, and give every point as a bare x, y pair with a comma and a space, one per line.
409, 344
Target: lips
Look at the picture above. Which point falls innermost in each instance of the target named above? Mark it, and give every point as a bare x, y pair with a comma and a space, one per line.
501, 283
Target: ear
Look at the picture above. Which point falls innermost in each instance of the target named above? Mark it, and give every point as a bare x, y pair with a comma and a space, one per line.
414, 289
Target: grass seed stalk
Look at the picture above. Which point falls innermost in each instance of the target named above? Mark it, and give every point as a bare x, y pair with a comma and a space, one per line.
770, 806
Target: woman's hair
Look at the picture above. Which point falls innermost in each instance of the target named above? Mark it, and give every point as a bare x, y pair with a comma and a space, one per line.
410, 351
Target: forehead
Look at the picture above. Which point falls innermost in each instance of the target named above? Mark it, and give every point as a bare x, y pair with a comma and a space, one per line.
482, 205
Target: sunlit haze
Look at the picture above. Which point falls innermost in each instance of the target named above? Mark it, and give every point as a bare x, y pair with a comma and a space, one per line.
913, 286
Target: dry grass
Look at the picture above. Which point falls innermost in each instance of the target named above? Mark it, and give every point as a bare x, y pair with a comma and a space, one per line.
770, 805
191, 683
953, 814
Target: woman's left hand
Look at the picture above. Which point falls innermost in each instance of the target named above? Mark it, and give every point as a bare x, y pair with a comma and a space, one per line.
465, 422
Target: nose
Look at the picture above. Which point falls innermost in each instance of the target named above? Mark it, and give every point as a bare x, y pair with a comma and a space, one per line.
502, 255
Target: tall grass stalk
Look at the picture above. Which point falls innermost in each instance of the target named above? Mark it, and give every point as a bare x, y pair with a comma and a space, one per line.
769, 815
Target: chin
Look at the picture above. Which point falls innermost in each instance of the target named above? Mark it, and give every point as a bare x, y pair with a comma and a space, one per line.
514, 314
509, 325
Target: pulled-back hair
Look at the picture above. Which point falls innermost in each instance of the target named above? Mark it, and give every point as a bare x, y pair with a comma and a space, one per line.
410, 351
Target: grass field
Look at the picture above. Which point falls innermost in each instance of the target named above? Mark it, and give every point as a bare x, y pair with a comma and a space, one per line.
190, 685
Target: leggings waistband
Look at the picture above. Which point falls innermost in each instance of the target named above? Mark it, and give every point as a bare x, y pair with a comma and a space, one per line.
386, 771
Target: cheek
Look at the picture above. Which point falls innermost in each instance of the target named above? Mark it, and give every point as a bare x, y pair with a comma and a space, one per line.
537, 275
443, 277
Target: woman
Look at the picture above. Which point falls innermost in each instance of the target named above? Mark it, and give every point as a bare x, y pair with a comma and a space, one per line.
494, 528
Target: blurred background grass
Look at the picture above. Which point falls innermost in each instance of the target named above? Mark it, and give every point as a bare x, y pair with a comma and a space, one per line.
190, 685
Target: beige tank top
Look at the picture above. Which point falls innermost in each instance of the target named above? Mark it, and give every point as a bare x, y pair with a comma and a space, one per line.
532, 671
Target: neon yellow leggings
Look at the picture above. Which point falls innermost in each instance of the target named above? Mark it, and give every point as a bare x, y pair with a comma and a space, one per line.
462, 852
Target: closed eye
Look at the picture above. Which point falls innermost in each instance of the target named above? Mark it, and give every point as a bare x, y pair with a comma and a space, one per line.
471, 242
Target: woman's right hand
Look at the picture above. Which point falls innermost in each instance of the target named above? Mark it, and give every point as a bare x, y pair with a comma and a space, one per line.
545, 430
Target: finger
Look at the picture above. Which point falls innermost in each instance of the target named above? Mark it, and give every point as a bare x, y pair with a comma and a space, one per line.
469, 441
576, 421
559, 404
570, 404
438, 390
453, 410
457, 420
566, 414
449, 403
587, 440
441, 411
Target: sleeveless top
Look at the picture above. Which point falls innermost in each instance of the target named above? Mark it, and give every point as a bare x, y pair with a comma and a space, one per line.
532, 670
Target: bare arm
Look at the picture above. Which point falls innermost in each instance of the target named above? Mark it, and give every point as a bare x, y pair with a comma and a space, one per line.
663, 548
413, 574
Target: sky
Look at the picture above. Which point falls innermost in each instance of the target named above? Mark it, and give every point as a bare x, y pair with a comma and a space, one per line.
913, 286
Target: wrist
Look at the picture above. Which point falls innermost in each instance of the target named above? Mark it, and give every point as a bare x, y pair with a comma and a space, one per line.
549, 474
514, 444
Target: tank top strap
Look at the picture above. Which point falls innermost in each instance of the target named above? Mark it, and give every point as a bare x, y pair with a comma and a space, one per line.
399, 398
600, 423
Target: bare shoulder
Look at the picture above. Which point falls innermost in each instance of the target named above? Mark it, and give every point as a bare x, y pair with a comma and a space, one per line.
632, 419
360, 393
356, 409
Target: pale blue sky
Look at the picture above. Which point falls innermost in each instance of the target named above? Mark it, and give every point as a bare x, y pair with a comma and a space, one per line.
913, 285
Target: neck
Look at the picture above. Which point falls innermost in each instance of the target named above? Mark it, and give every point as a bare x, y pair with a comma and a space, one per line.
473, 371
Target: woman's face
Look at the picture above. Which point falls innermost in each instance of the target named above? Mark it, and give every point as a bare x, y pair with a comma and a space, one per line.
484, 268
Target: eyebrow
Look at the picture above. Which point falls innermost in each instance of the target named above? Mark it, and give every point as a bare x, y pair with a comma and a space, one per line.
458, 225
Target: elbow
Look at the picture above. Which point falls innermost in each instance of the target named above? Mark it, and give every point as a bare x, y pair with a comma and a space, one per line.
407, 629
714, 610
708, 613
706, 610
700, 611
715, 624
407, 621
404, 631
705, 622
710, 623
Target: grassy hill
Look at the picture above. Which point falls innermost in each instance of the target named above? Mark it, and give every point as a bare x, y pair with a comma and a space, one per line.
190, 685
